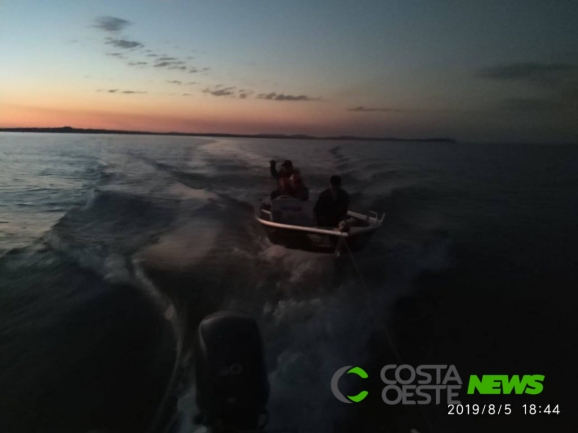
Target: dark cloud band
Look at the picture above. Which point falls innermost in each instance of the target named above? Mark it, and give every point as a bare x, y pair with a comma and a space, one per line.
362, 109
123, 43
111, 24
124, 92
283, 97
225, 91
535, 73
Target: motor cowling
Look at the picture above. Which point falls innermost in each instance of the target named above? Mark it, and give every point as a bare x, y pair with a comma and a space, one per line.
231, 375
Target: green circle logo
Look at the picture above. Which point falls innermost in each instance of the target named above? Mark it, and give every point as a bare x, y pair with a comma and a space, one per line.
335, 381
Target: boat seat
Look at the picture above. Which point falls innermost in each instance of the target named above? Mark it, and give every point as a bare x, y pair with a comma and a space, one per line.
289, 210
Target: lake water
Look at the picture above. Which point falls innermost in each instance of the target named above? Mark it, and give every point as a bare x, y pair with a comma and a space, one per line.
107, 241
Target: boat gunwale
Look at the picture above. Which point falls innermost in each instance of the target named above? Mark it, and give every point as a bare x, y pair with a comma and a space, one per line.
358, 230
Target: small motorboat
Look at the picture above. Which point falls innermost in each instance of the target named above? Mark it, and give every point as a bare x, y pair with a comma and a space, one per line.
291, 223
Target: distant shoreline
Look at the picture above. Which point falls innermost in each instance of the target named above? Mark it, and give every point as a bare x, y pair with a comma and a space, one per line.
70, 130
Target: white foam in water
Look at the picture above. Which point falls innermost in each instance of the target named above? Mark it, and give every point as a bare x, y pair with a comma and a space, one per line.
229, 149
301, 265
185, 192
308, 339
115, 269
112, 267
181, 248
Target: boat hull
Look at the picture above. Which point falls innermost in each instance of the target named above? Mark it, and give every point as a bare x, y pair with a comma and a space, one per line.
315, 242
318, 239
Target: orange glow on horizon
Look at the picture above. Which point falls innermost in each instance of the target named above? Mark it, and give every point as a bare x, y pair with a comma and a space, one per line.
199, 116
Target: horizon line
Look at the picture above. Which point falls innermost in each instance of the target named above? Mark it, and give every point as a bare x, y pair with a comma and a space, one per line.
70, 129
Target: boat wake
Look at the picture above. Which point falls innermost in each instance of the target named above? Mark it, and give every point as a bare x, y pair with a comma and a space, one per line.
171, 234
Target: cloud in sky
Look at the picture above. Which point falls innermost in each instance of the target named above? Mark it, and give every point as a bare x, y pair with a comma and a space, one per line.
532, 105
111, 24
556, 86
273, 96
220, 91
195, 70
244, 94
161, 60
125, 92
177, 82
555, 104
123, 43
545, 74
171, 65
232, 91
362, 109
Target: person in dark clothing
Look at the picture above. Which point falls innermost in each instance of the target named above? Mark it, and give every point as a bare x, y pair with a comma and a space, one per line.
332, 204
300, 191
286, 169
284, 186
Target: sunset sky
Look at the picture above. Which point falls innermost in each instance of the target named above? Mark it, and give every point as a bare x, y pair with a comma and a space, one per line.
475, 71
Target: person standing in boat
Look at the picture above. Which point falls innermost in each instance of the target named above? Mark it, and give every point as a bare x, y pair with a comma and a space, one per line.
300, 191
283, 176
286, 169
284, 188
332, 205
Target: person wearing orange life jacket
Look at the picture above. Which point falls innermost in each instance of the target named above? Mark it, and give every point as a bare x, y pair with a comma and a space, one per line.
286, 169
300, 191
284, 186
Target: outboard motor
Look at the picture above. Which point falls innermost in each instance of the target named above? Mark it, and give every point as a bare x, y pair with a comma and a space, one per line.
231, 376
